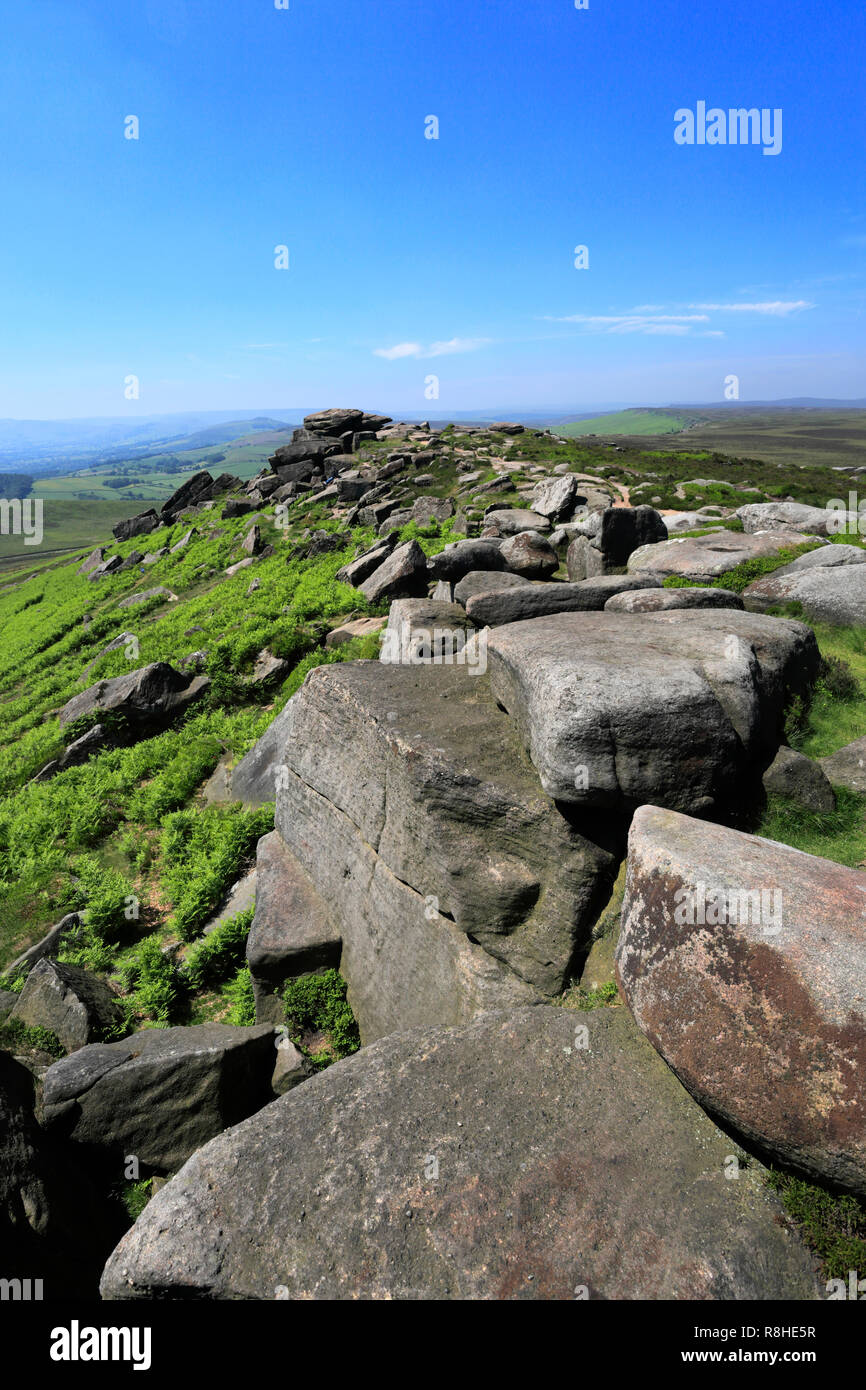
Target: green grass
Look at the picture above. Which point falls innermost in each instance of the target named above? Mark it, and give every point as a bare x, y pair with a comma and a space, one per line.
624, 422
833, 1226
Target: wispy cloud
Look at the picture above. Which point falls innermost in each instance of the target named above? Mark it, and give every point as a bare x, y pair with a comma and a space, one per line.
671, 325
255, 347
776, 307
441, 349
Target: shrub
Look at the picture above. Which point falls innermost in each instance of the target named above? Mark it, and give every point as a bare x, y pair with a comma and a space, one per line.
239, 992
318, 1004
220, 953
152, 979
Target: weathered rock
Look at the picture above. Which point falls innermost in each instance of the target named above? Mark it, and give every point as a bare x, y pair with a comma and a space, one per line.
425, 630
336, 421
461, 557
161, 1093
122, 640
252, 542
824, 557
784, 516
290, 1068
700, 558
292, 461
847, 767
152, 693
402, 575
541, 600
292, 932
455, 885
238, 506
133, 600
239, 565
140, 525
660, 600
73, 1003
358, 627
109, 566
604, 544
254, 780
800, 779
511, 521
537, 1154
94, 559
269, 668
680, 708
743, 962
529, 554
484, 582
827, 593
427, 509
555, 498
193, 491
47, 946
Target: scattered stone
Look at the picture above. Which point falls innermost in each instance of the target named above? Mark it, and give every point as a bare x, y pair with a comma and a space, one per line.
358, 627
531, 555
151, 693
402, 575
133, 600
800, 779
660, 600
847, 767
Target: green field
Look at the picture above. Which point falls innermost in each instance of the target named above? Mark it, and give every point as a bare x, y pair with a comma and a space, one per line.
627, 422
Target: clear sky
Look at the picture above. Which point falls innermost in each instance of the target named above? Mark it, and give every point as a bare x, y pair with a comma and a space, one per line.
409, 257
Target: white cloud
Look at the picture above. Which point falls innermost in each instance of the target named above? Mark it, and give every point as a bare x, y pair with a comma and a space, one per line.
400, 350
442, 349
776, 307
672, 325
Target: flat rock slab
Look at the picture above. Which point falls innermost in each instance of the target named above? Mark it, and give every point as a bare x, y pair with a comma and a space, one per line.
662, 600
510, 521
453, 881
827, 594
677, 708
536, 1154
707, 557
541, 600
778, 516
744, 962
484, 582
160, 1093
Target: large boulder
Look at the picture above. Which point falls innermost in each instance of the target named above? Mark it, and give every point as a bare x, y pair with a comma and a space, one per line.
150, 694
73, 1003
701, 558
531, 555
291, 462
743, 962
254, 779
540, 600
402, 575
484, 582
785, 516
462, 557
424, 630
140, 525
605, 545
454, 883
826, 593
512, 520
292, 931
555, 498
161, 1093
364, 565
338, 421
535, 1154
680, 708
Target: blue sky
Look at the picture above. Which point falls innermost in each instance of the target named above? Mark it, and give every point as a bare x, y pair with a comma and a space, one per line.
411, 257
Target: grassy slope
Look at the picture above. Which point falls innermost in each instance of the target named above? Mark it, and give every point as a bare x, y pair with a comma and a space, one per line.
627, 422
